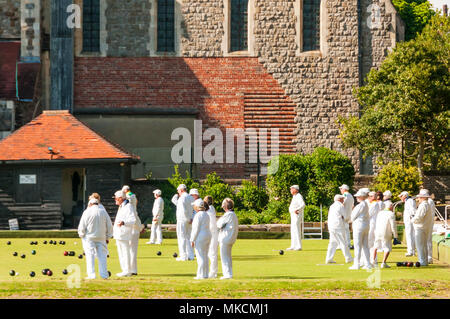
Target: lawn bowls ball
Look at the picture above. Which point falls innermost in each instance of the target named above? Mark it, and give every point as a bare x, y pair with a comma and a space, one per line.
15, 254
80, 256
66, 253
33, 252
175, 255
22, 256
8, 243
417, 264
281, 252
64, 272
12, 273
399, 264
49, 273
32, 274
45, 242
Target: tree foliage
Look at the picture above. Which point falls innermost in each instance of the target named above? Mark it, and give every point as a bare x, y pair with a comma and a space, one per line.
415, 13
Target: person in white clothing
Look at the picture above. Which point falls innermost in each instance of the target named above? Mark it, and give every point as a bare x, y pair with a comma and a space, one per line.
348, 205
408, 213
228, 231
374, 208
122, 231
158, 216
201, 238
385, 231
138, 228
95, 229
336, 228
213, 253
360, 226
387, 198
430, 231
422, 220
296, 211
184, 215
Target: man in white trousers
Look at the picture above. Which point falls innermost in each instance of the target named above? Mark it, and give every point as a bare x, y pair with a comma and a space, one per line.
385, 231
228, 231
360, 226
184, 214
374, 209
422, 220
95, 229
213, 253
408, 214
336, 228
158, 216
430, 235
122, 231
296, 211
200, 238
137, 229
348, 205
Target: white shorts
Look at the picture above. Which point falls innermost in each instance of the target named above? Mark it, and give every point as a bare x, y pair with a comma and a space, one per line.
383, 244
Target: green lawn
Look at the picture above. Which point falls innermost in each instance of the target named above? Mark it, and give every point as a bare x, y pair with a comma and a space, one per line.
259, 272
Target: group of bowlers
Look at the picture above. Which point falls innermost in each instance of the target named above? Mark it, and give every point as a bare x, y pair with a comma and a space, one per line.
197, 229
373, 225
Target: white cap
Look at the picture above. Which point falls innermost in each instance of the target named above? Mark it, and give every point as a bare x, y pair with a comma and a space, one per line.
194, 191
365, 190
344, 186
404, 193
296, 187
372, 193
93, 201
125, 188
361, 193
119, 194
157, 192
181, 186
387, 194
338, 197
199, 203
423, 193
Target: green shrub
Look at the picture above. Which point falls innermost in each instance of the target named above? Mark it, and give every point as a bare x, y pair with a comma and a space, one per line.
312, 213
395, 178
276, 212
251, 197
215, 187
248, 217
177, 179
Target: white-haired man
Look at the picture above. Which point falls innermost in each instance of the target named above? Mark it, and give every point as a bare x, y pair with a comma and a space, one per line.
184, 214
296, 211
95, 229
360, 226
123, 228
387, 198
336, 228
158, 216
228, 231
408, 214
385, 231
422, 220
348, 205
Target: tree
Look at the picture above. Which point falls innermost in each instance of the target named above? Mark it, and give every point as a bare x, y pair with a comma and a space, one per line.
407, 99
415, 13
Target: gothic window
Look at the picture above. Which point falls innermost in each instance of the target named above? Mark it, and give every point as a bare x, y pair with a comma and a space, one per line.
238, 25
311, 25
91, 25
166, 26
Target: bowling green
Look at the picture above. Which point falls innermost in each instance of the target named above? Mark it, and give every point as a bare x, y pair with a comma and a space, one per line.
259, 272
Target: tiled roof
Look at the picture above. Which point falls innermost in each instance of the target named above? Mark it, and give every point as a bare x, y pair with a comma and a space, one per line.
69, 139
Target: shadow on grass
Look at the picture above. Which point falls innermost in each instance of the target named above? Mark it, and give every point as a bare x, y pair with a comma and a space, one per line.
254, 257
284, 277
169, 275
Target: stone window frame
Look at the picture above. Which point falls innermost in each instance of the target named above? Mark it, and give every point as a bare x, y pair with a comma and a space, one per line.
323, 29
226, 45
78, 33
153, 30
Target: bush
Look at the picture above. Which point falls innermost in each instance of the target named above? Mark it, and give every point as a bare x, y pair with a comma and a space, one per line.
395, 178
318, 175
177, 179
312, 213
276, 212
248, 217
215, 187
251, 197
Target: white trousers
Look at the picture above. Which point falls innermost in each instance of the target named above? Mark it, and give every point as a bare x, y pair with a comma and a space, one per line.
372, 240
430, 244
361, 243
156, 233
227, 263
409, 234
124, 252
347, 234
337, 240
201, 250
422, 238
94, 249
184, 245
296, 232
213, 255
134, 243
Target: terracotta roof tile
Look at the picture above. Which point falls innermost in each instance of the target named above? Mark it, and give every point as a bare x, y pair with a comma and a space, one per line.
68, 138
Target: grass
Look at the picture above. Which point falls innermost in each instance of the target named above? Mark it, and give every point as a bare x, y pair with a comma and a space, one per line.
259, 272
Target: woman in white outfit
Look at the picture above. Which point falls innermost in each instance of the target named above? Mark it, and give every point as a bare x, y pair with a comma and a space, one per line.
422, 220
374, 208
360, 226
296, 210
408, 214
228, 231
158, 216
213, 253
386, 229
200, 238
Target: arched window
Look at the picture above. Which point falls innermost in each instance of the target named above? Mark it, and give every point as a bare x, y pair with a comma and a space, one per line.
166, 26
239, 25
91, 25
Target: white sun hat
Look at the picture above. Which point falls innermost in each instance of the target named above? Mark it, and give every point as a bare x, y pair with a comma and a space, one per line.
423, 193
344, 186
